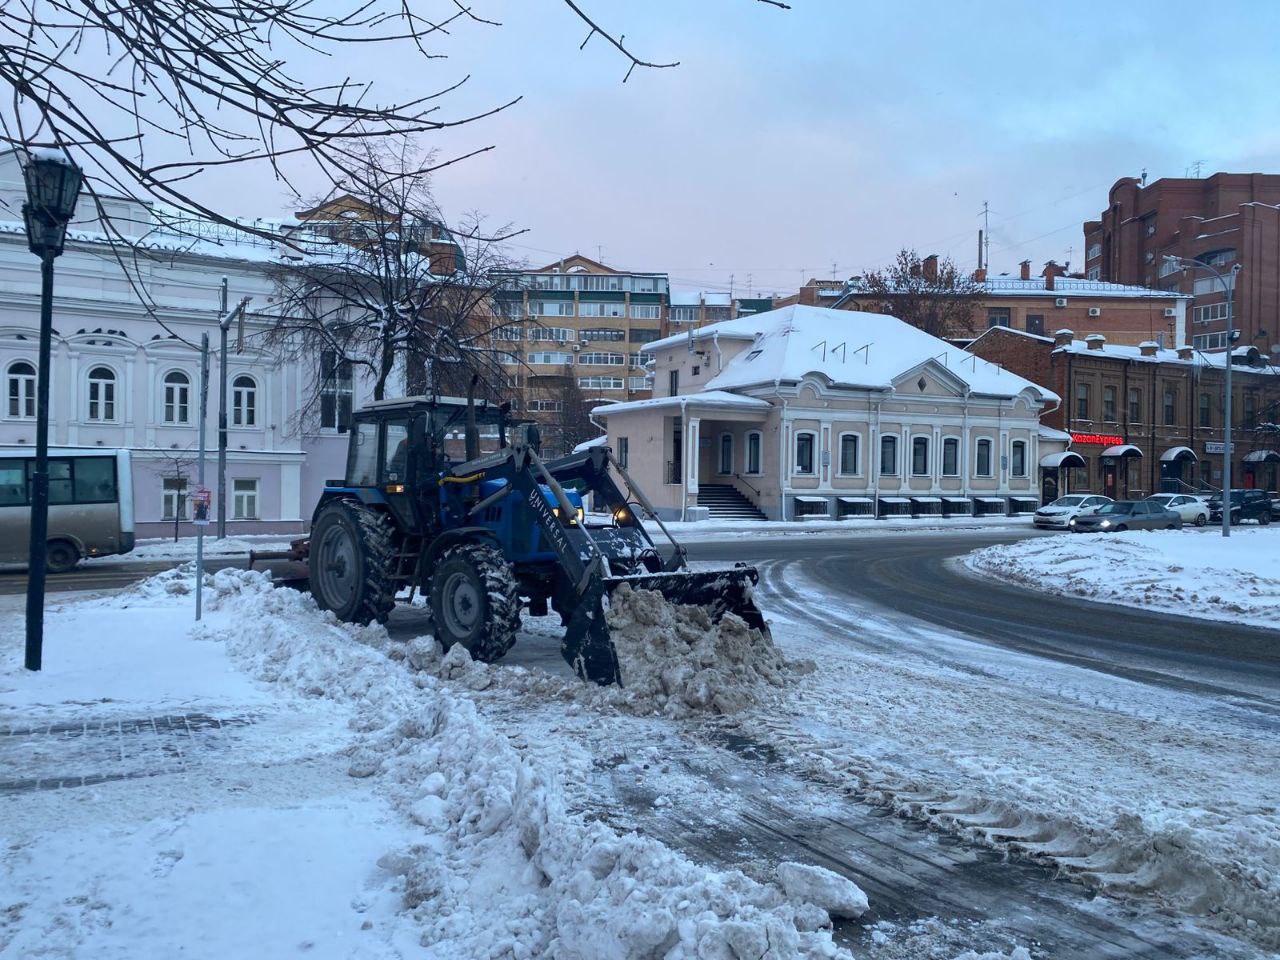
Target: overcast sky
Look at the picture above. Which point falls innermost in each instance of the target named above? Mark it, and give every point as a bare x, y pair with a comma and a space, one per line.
791, 143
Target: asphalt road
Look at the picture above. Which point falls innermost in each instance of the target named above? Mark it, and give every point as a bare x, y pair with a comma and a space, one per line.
917, 576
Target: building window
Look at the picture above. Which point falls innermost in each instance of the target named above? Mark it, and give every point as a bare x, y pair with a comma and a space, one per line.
603, 359
177, 397
997, 317
21, 382
244, 499
849, 465
624, 452
551, 308
102, 394
643, 335
673, 383
639, 383
1135, 406
726, 453
1035, 324
1210, 341
920, 456
603, 333
640, 359
1094, 251
646, 311
1209, 313
1170, 407
1082, 401
1250, 411
982, 467
601, 383
1093, 273
1109, 404
804, 452
685, 314
559, 334
554, 357
336, 392
509, 333
174, 496
1018, 458
595, 308
545, 406
888, 455
244, 401
951, 457
1206, 410
753, 453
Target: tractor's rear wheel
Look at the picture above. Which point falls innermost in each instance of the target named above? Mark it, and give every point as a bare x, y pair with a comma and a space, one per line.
351, 561
475, 601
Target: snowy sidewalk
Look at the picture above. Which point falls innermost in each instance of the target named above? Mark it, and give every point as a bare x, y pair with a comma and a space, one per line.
1193, 572
853, 527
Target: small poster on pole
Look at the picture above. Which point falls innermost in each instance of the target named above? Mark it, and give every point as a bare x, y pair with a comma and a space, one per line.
200, 499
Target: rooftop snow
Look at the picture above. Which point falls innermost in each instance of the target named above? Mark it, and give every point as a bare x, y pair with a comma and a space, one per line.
1198, 359
850, 348
708, 398
691, 298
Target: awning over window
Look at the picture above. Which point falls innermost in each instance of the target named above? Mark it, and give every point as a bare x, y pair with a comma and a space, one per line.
927, 499
1178, 453
956, 499
1122, 450
812, 499
1066, 458
854, 499
990, 499
1262, 456
894, 500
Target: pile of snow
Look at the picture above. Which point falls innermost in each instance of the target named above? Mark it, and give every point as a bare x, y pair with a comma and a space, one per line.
149, 551
503, 868
1191, 572
674, 659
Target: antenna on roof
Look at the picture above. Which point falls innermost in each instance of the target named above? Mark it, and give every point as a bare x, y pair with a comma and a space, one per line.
867, 356
943, 356
823, 345
843, 348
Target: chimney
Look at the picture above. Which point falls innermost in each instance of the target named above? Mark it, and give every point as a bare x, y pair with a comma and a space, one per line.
930, 268
915, 270
1185, 351
1148, 348
1063, 337
980, 275
1095, 341
1024, 273
1050, 273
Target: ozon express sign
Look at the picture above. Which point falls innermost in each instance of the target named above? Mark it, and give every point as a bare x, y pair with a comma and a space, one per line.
1102, 439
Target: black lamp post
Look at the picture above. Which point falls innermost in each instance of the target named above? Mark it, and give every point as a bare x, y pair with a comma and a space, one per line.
53, 186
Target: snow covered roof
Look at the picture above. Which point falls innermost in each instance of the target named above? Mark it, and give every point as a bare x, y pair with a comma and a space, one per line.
849, 348
1011, 330
1165, 355
1072, 287
594, 442
1050, 433
717, 399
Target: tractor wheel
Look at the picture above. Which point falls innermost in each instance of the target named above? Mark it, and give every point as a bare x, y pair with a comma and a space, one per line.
475, 601
351, 561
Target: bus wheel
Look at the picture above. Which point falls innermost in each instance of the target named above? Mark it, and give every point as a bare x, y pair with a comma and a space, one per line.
61, 556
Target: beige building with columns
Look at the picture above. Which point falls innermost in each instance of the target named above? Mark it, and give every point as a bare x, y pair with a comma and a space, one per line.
806, 412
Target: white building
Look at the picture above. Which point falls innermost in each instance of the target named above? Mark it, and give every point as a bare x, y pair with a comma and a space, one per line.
811, 412
126, 368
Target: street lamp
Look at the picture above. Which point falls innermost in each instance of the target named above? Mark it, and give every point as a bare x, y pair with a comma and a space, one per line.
1232, 336
53, 187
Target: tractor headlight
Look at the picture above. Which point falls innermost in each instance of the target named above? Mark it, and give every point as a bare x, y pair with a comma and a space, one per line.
582, 515
620, 515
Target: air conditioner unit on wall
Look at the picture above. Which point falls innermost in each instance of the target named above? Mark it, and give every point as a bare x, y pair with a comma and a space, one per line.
1060, 302
1170, 312
577, 347
1095, 311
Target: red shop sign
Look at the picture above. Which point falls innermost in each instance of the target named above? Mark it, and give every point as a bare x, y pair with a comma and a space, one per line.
1102, 439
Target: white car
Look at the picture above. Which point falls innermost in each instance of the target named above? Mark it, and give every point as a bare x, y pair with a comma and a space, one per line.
1191, 509
1059, 514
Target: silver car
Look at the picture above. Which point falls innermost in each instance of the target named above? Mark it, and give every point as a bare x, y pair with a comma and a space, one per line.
1059, 514
1127, 515
1191, 509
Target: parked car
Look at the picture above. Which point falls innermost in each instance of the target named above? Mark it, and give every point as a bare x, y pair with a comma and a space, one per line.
1191, 509
1059, 514
1245, 505
1127, 515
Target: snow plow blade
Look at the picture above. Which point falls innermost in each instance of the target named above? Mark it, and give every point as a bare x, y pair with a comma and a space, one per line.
587, 645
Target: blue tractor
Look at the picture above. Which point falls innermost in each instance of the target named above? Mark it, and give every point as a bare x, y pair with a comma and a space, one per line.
483, 536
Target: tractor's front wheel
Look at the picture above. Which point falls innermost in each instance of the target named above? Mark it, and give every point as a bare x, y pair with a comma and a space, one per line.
351, 560
475, 601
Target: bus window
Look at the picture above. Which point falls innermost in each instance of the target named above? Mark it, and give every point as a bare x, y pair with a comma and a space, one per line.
13, 491
95, 480
59, 480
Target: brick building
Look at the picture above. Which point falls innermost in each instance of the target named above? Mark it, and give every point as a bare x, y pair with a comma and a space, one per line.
1222, 220
1144, 418
1041, 304
691, 309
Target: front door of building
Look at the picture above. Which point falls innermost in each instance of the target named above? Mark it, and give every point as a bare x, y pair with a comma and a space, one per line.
1048, 485
1109, 485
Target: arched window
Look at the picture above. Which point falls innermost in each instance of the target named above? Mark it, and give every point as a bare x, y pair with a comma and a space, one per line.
983, 466
102, 394
177, 397
753, 453
244, 401
20, 385
1018, 458
726, 453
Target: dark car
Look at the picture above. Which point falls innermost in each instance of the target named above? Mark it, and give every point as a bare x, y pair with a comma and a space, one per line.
1245, 505
1127, 515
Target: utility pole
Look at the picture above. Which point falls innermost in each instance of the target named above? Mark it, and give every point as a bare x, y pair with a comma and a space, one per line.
224, 324
200, 513
986, 234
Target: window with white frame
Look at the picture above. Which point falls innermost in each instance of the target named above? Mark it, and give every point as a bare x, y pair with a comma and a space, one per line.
639, 383
1018, 458
550, 356
509, 333
551, 308
982, 462
102, 394
177, 397
640, 359
1093, 273
754, 440
552, 333
545, 406
1210, 341
603, 333
20, 387
685, 314
806, 443
244, 401
646, 311
337, 391
1095, 250
603, 359
848, 464
888, 455
600, 383
244, 499
920, 456
600, 308
1210, 312
1169, 266
174, 502
951, 457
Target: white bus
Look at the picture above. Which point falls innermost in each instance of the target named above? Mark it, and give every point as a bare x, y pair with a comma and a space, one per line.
90, 505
